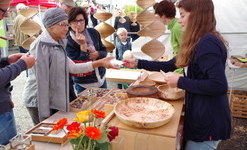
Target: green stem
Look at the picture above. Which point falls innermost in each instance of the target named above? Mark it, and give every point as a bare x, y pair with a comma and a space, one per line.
89, 145
79, 142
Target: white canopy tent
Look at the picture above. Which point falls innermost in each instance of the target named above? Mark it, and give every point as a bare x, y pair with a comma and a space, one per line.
231, 22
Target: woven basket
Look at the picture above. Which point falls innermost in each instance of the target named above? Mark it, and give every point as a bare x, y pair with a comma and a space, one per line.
238, 104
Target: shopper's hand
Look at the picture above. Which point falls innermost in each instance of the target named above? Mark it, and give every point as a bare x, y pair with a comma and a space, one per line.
29, 60
108, 64
14, 57
80, 38
130, 63
172, 79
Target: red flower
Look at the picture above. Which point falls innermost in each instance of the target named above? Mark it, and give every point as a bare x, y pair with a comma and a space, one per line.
98, 113
113, 133
74, 126
93, 132
74, 130
60, 124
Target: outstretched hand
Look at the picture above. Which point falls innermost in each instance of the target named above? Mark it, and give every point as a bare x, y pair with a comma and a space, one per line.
108, 64
14, 57
130, 63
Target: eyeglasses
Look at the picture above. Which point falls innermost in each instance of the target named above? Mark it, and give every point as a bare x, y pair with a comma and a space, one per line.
79, 21
63, 25
5, 11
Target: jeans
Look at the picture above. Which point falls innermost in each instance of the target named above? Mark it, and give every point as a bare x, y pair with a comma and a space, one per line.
79, 89
7, 127
205, 145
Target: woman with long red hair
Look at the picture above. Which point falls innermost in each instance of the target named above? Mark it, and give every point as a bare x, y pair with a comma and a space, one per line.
202, 54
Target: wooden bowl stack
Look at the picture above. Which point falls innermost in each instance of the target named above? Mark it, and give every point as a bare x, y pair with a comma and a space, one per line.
29, 27
151, 27
105, 29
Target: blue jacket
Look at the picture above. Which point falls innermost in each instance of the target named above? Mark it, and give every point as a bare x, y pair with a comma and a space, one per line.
121, 48
74, 53
8, 72
207, 112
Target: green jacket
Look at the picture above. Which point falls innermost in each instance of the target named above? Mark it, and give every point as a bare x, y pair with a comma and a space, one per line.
176, 32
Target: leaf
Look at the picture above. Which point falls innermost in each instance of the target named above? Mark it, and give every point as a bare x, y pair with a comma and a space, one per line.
103, 138
102, 146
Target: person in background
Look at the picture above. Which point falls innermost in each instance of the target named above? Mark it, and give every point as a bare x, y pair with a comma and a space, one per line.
203, 55
47, 87
89, 48
134, 25
10, 68
66, 5
20, 37
166, 12
122, 21
123, 43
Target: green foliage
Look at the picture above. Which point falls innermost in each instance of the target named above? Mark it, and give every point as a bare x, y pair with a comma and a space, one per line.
129, 8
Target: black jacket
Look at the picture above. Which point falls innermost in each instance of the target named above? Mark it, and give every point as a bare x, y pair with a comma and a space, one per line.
207, 112
74, 53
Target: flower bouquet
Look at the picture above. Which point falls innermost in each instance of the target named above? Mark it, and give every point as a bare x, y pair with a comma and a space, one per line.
85, 134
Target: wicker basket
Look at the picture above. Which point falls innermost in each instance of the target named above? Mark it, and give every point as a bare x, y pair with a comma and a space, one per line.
238, 104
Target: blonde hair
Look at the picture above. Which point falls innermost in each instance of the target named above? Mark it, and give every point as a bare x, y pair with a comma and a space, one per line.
121, 30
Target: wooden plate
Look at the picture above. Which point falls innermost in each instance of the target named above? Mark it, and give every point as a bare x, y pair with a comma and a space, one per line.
142, 91
157, 77
167, 93
142, 112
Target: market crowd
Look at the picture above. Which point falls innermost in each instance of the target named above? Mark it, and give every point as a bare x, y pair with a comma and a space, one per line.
69, 54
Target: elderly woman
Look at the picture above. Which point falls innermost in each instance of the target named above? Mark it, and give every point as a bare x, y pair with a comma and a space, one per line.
47, 88
84, 44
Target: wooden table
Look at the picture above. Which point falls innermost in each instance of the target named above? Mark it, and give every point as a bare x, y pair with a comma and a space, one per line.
160, 138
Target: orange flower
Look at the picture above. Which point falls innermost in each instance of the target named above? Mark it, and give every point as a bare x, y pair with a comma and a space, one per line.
93, 132
60, 124
73, 134
74, 130
98, 113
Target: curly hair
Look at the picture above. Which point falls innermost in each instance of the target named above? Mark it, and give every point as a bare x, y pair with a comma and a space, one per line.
166, 8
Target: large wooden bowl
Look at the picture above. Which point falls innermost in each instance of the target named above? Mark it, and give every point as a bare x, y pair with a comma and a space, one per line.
142, 91
144, 112
26, 44
145, 3
30, 27
155, 49
104, 29
103, 16
168, 93
157, 77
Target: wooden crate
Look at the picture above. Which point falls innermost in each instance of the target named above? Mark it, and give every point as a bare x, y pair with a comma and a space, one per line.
238, 104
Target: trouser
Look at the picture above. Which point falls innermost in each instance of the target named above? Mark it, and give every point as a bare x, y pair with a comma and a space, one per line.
79, 88
34, 113
7, 127
205, 145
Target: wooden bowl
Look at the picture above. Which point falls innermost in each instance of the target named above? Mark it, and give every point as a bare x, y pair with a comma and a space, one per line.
26, 44
29, 12
167, 93
104, 29
109, 46
147, 82
142, 91
154, 30
144, 112
145, 3
155, 49
145, 18
30, 27
103, 16
157, 77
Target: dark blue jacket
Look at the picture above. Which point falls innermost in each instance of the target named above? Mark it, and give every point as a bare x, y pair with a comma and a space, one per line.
121, 48
207, 112
74, 53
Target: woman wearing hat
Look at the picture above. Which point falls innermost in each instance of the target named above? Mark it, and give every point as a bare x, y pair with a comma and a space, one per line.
88, 49
47, 87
